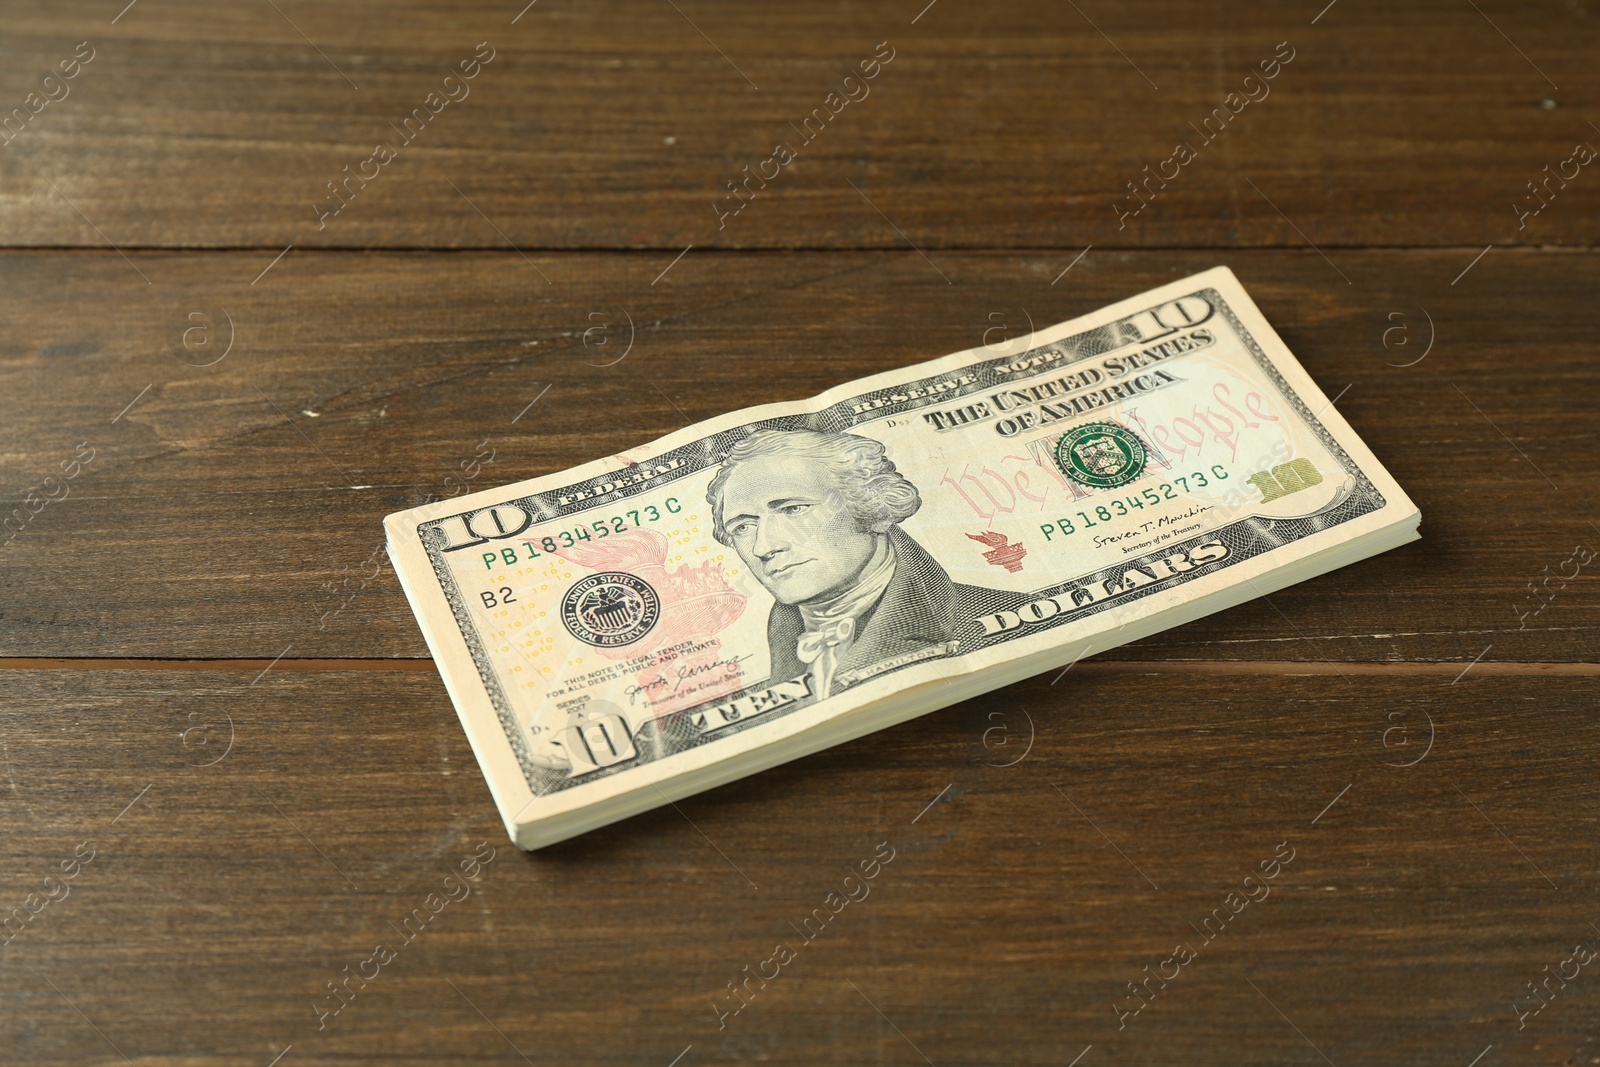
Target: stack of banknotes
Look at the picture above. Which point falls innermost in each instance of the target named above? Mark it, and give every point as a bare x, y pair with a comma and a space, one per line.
784, 578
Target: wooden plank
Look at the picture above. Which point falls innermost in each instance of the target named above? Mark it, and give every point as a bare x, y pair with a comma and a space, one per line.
1019, 903
217, 518
618, 125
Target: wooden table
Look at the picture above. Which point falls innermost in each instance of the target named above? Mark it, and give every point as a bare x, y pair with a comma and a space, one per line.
231, 770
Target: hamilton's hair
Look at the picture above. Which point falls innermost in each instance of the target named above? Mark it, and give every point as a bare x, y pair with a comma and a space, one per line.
874, 492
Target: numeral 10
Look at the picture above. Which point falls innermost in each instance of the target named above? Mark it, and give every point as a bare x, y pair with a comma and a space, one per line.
1286, 478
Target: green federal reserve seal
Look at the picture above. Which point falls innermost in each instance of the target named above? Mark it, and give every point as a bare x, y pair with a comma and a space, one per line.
1101, 455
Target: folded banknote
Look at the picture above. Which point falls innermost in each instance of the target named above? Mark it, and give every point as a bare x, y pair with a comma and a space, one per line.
780, 579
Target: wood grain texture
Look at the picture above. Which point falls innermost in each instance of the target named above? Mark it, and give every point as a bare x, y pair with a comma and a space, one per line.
618, 124
218, 518
273, 779
1014, 912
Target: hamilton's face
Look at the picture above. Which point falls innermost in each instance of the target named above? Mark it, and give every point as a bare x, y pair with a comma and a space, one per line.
792, 528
